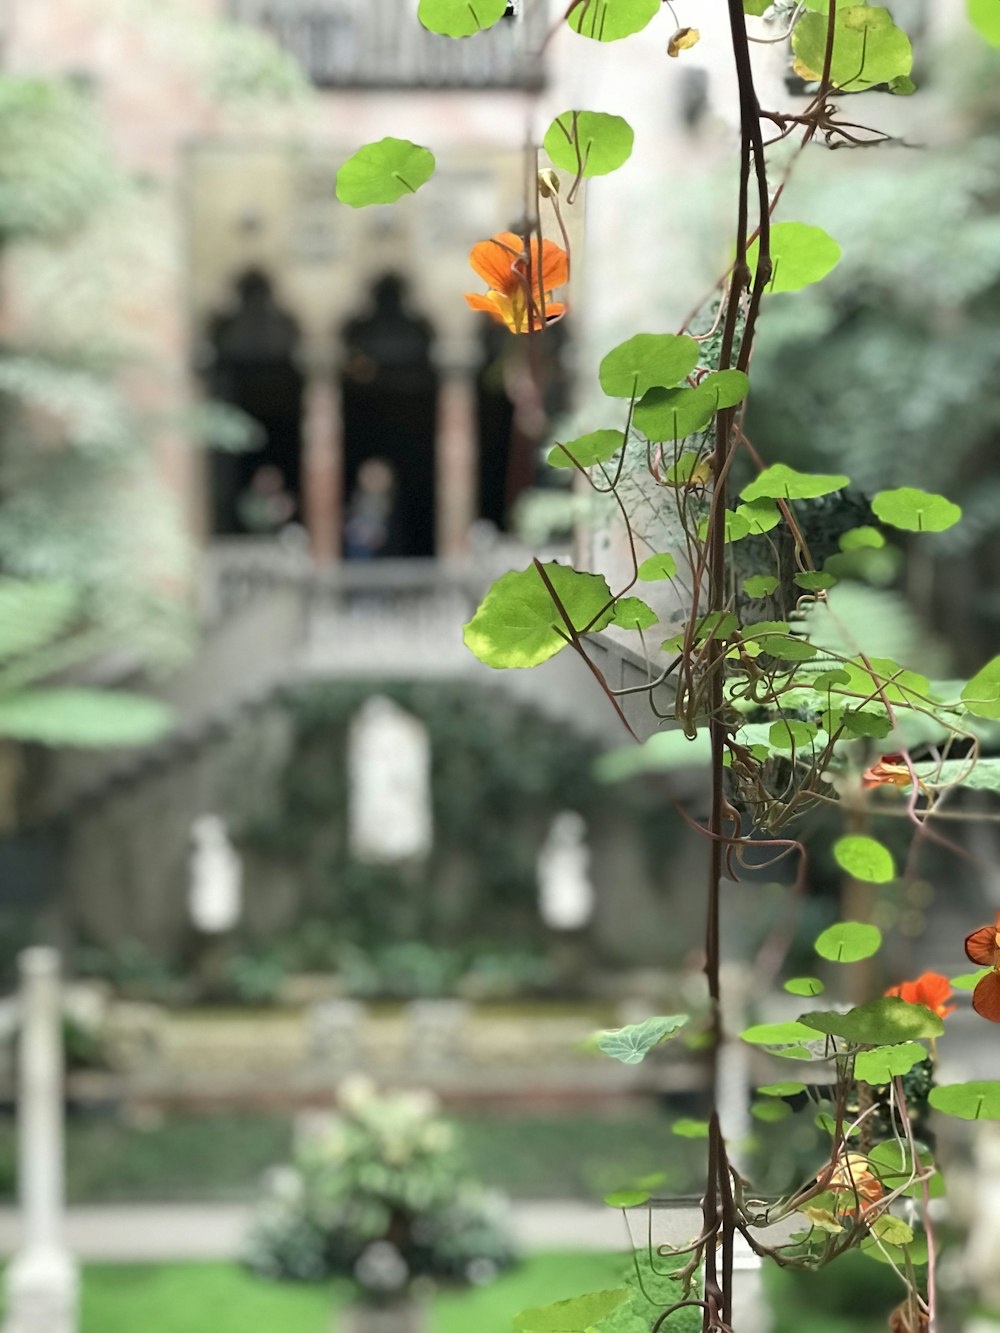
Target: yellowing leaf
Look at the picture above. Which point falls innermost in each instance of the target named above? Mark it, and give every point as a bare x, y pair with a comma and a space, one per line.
682, 40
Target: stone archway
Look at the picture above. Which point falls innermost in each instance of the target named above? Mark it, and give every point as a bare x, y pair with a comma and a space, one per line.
254, 367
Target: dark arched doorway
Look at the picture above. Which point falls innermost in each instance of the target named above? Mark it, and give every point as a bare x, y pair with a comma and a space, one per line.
513, 421
390, 422
254, 368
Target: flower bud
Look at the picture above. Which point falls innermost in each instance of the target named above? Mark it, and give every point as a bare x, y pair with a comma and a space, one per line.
548, 183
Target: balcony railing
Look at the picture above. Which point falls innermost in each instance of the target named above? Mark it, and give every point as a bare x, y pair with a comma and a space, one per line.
380, 44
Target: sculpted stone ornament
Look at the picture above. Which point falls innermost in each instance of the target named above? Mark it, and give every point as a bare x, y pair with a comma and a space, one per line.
216, 893
389, 759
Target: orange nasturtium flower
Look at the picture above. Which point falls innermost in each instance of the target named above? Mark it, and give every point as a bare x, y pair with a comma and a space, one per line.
983, 947
856, 1186
930, 989
501, 262
890, 769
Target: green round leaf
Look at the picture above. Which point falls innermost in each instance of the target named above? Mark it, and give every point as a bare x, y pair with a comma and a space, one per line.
968, 1101
633, 613
663, 752
805, 986
865, 859
381, 173
781, 1089
672, 414
848, 942
770, 1112
868, 48
759, 585
761, 515
969, 980
815, 582
915, 511
800, 256
893, 1164
610, 20
460, 18
896, 1254
778, 1034
982, 694
579, 1314
858, 539
686, 1128
791, 735
647, 361
880, 1022
984, 15
892, 1230
33, 613
515, 625
736, 527
781, 482
589, 143
84, 717
887, 1062
656, 567
626, 1198
633, 1043
598, 447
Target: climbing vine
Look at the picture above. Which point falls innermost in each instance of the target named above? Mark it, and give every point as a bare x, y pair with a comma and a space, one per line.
788, 722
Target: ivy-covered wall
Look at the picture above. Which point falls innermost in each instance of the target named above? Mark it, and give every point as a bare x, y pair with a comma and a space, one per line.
279, 776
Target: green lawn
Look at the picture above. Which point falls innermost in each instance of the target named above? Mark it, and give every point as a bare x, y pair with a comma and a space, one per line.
222, 1298
221, 1156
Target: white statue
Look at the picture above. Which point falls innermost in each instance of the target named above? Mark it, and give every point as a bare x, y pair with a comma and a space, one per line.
215, 896
389, 807
565, 893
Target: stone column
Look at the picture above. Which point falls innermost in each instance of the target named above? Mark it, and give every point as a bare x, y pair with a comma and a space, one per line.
323, 462
455, 464
42, 1279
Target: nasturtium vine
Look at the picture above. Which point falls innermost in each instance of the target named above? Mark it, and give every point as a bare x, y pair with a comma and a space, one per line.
381, 173
757, 689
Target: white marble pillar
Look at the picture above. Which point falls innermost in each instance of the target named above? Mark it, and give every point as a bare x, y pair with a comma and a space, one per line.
42, 1284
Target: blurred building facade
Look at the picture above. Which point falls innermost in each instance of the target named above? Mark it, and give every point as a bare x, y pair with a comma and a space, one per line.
390, 417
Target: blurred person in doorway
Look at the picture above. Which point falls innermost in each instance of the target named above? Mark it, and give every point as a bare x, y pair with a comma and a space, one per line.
369, 528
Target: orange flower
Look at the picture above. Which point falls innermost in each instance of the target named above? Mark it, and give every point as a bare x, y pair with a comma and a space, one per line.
983, 947
853, 1177
502, 263
890, 769
930, 989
